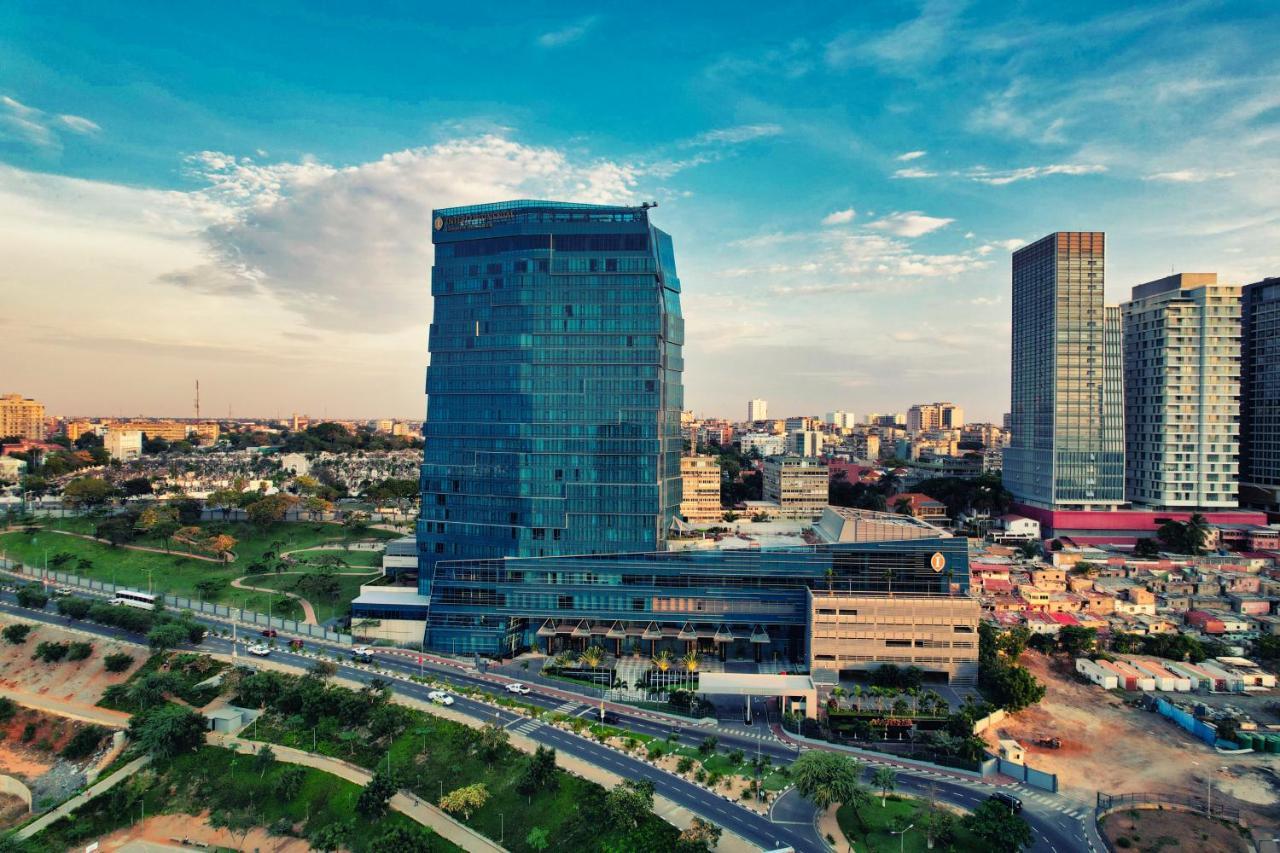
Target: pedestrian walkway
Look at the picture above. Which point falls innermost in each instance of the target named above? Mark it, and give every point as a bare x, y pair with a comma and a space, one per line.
527, 727
77, 801
406, 803
568, 708
1058, 804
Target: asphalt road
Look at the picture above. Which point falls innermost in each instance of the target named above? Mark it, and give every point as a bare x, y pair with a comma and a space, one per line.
1055, 827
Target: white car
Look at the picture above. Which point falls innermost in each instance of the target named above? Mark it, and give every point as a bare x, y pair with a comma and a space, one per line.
260, 650
517, 687
440, 697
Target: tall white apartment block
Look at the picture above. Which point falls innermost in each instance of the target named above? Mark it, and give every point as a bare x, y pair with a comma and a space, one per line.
757, 410
841, 420
1182, 393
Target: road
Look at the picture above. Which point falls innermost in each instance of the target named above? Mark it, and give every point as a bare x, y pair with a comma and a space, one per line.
1058, 825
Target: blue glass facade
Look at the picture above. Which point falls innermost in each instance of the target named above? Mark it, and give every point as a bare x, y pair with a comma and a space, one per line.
749, 602
554, 387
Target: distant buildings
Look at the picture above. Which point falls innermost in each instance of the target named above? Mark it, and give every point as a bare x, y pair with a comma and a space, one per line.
1067, 449
22, 417
842, 420
797, 485
923, 417
1181, 393
765, 444
805, 442
757, 410
1260, 395
124, 445
700, 491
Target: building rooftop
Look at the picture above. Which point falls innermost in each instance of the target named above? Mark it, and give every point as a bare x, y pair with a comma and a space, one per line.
849, 524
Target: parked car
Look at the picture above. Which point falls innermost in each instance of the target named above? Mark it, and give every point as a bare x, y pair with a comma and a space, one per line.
1008, 800
362, 654
517, 687
440, 697
269, 632
295, 645
260, 650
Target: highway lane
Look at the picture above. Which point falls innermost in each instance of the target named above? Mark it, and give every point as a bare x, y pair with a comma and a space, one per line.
1053, 827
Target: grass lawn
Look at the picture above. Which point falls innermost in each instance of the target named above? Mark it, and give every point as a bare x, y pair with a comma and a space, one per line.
186, 670
354, 560
325, 609
213, 778
176, 573
898, 811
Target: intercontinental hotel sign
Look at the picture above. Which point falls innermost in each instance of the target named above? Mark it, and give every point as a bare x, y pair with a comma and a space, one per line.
468, 221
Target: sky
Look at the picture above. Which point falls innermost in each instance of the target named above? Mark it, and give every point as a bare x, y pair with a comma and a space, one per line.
243, 195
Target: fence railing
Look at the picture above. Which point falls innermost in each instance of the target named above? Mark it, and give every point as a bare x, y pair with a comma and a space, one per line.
1205, 805
195, 605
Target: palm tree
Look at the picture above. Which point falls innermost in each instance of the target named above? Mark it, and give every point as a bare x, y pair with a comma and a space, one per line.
886, 779
1197, 532
592, 656
902, 506
829, 779
663, 660
690, 663
889, 482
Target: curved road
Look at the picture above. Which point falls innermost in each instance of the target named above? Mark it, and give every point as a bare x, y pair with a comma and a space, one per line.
1058, 825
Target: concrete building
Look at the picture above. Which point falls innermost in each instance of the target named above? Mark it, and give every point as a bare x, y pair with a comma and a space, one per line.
1067, 419
924, 417
865, 445
11, 469
1260, 395
764, 443
757, 410
1181, 393
800, 422
700, 500
797, 484
841, 420
123, 444
22, 417
804, 442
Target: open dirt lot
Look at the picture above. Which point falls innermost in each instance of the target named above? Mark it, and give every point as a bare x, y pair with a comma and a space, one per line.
1114, 748
79, 682
1150, 831
158, 833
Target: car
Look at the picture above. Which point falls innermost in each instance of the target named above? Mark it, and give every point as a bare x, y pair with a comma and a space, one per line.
609, 718
517, 687
260, 650
1008, 800
62, 591
440, 697
269, 632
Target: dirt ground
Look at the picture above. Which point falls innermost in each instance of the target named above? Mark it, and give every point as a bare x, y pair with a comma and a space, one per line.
1111, 747
170, 830
13, 810
1150, 831
28, 753
78, 681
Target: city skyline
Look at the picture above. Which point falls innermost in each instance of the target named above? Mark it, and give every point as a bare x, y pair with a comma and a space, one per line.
845, 188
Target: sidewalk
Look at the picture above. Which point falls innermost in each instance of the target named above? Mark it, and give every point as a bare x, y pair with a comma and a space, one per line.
72, 710
873, 757
407, 804
80, 799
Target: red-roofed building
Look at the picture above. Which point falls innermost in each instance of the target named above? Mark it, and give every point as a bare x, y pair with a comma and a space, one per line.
923, 507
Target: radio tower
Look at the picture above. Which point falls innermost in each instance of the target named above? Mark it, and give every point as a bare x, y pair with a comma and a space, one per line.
197, 399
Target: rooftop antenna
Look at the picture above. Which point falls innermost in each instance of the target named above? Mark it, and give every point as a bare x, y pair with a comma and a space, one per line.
197, 399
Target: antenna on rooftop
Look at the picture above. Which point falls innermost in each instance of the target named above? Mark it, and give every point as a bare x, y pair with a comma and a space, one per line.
197, 399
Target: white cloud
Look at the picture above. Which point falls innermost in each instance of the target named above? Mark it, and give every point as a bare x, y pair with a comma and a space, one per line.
914, 173
1188, 176
29, 125
910, 224
910, 155
983, 175
734, 135
839, 217
569, 34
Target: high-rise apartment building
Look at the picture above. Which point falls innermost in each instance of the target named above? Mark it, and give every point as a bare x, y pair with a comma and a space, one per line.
798, 485
805, 442
554, 388
841, 420
924, 417
757, 410
765, 444
1260, 395
700, 493
123, 444
1067, 420
1181, 393
22, 417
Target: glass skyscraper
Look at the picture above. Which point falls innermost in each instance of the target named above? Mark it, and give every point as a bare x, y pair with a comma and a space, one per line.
554, 386
1260, 395
1067, 412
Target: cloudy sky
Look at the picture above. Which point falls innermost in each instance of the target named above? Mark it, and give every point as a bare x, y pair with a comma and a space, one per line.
245, 197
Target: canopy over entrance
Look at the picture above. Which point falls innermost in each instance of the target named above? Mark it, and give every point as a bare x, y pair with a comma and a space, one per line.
796, 692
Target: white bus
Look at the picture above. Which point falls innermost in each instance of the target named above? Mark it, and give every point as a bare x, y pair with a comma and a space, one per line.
129, 598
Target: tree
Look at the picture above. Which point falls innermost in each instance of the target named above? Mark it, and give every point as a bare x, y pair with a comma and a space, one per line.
830, 779
270, 509
136, 486
238, 822
537, 839
316, 506
167, 729
1146, 547
662, 660
332, 836
74, 606
117, 662
539, 772
264, 759
938, 825
87, 492
690, 663
224, 500
32, 595
630, 803
220, 545
372, 802
288, 783
1077, 641
592, 657
167, 636
465, 800
490, 740
902, 506
404, 839
886, 779
1001, 829
700, 835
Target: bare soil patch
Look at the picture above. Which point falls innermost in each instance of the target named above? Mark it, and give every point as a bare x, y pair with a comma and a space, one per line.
12, 810
164, 829
74, 681
30, 741
1151, 831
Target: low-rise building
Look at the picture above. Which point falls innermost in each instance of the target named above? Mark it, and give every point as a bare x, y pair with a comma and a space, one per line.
124, 445
798, 485
700, 498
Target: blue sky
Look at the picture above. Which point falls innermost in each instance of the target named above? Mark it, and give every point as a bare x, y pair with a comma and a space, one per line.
243, 196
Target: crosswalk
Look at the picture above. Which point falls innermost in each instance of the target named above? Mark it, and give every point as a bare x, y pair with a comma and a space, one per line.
527, 727
1065, 807
569, 708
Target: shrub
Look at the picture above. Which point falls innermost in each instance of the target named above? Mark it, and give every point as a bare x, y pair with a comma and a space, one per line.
117, 662
79, 651
74, 606
17, 633
51, 652
684, 765
28, 732
32, 595
7, 709
84, 743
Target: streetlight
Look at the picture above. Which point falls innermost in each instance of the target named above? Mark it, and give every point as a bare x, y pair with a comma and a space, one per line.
902, 836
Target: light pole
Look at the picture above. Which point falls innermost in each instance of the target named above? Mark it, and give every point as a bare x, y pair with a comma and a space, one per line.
902, 836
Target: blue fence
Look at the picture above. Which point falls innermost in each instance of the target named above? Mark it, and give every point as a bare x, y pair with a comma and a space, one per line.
1198, 728
1031, 776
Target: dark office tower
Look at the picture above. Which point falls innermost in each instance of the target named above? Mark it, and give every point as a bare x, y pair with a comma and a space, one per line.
1260, 395
1067, 413
554, 384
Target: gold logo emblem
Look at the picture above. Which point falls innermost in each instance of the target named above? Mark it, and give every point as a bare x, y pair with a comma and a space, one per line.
937, 562
439, 223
